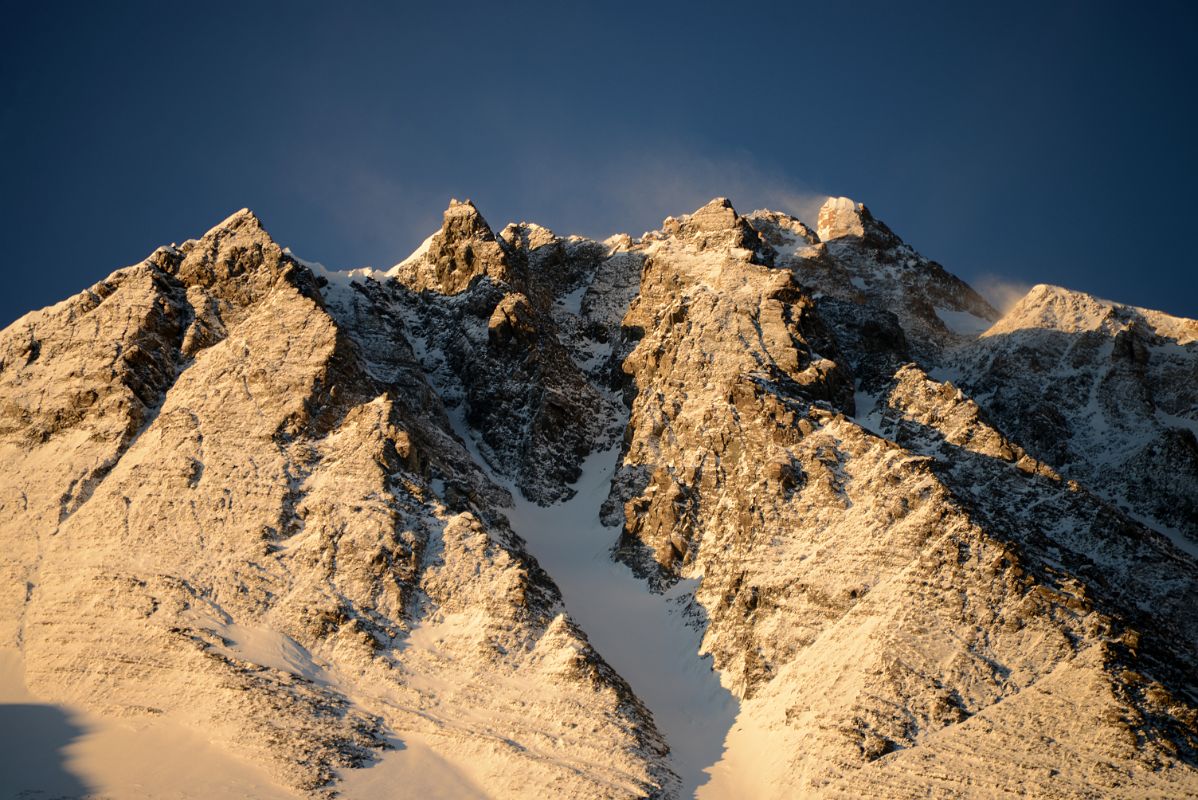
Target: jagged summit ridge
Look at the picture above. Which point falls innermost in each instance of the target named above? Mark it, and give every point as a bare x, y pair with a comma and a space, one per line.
243, 217
921, 561
841, 217
1057, 308
464, 249
1106, 398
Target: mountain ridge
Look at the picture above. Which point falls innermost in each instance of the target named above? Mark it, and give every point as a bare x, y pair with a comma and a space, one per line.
902, 563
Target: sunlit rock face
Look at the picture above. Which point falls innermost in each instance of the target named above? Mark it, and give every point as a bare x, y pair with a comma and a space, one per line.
464, 249
927, 550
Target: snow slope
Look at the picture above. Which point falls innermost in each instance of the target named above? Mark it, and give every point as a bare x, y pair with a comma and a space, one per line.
55, 750
649, 638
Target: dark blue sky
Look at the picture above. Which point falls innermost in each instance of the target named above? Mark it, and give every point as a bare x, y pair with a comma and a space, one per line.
1046, 142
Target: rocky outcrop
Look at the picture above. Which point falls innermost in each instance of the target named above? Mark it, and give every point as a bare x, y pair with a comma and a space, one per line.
716, 226
515, 358
463, 250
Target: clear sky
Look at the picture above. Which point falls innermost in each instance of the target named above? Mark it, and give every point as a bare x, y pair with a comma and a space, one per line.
1038, 142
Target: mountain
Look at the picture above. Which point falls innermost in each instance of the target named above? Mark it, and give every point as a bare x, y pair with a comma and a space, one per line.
739, 508
1102, 390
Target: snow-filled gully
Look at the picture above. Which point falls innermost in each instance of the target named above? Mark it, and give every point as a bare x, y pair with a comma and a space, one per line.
644, 636
641, 634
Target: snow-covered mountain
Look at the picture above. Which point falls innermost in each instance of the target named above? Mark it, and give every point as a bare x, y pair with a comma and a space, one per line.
737, 509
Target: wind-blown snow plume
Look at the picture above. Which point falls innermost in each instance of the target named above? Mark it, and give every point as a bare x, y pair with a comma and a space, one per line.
1003, 293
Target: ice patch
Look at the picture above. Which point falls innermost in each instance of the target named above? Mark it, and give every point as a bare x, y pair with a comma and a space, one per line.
1178, 539
1174, 421
269, 648
416, 254
410, 769
792, 244
339, 289
947, 374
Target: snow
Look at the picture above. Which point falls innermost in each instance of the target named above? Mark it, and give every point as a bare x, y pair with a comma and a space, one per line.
644, 636
592, 354
1174, 421
962, 322
49, 750
792, 244
270, 648
869, 415
342, 277
416, 254
720, 748
948, 373
1055, 308
457, 421
339, 289
647, 638
572, 302
415, 766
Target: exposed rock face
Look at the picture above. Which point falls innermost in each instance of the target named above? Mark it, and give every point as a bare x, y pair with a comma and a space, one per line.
270, 503
840, 216
859, 260
716, 226
813, 536
464, 249
519, 357
725, 355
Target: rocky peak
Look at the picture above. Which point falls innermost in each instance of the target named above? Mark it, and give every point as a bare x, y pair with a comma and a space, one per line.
716, 224
548, 266
1102, 391
856, 259
463, 220
527, 236
240, 229
235, 247
243, 219
781, 230
1053, 308
841, 217
512, 320
717, 215
227, 272
887, 571
464, 249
